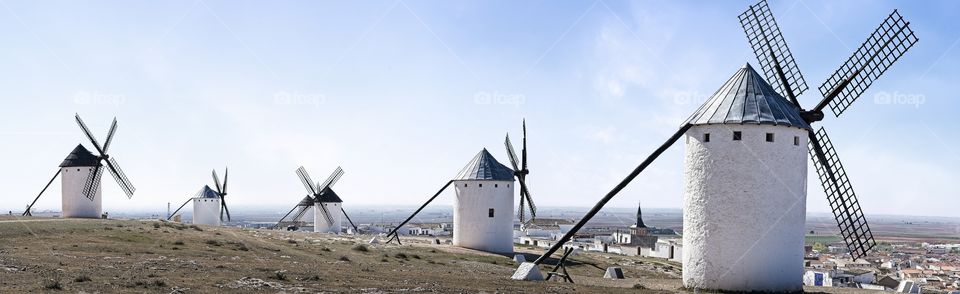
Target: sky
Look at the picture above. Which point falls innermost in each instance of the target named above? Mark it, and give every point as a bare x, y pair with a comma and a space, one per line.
402, 94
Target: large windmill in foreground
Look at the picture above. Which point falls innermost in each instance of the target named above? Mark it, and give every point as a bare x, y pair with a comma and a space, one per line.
327, 205
745, 164
209, 205
82, 171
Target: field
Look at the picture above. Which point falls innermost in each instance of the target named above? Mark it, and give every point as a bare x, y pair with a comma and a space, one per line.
54, 255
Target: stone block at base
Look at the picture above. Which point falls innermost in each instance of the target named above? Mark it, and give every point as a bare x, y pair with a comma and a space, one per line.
519, 258
613, 273
528, 271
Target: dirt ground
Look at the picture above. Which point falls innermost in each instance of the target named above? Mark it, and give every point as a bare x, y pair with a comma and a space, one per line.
150, 256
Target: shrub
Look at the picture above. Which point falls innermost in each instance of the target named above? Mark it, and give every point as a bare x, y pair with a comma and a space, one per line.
360, 248
156, 225
81, 279
280, 275
178, 242
400, 255
212, 243
291, 241
344, 258
53, 284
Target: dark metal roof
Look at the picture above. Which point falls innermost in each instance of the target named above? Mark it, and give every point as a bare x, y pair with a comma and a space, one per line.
80, 156
748, 99
327, 196
485, 167
206, 192
307, 201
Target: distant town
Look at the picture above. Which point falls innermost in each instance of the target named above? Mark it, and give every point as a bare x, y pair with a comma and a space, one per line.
913, 254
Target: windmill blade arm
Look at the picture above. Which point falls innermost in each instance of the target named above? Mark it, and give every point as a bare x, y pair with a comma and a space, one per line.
216, 182
332, 179
285, 216
776, 60
394, 231
226, 176
113, 130
307, 182
120, 177
603, 201
511, 154
533, 207
223, 205
27, 212
355, 229
179, 208
326, 213
86, 131
883, 48
843, 201
92, 184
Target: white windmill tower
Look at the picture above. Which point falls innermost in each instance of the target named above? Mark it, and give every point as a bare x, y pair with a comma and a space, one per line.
745, 169
209, 205
82, 171
483, 208
328, 212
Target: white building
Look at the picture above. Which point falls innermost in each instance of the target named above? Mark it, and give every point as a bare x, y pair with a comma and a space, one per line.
74, 171
483, 209
332, 221
206, 207
745, 190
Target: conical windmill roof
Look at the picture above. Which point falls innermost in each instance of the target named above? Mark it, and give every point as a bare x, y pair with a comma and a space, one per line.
485, 167
208, 193
328, 196
80, 156
748, 99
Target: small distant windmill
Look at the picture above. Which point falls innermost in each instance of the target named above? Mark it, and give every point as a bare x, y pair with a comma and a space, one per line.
521, 172
326, 204
208, 203
81, 172
746, 116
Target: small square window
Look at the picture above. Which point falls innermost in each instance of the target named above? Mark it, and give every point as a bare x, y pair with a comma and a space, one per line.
769, 137
496, 185
490, 213
481, 185
796, 140
737, 135
706, 137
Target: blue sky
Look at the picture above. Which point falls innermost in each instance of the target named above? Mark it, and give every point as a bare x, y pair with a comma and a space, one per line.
403, 93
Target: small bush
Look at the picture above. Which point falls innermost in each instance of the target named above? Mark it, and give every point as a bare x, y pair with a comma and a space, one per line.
360, 248
108, 229
178, 242
639, 286
400, 255
415, 256
344, 258
280, 275
213, 243
384, 259
81, 279
156, 225
196, 228
53, 284
291, 241
325, 249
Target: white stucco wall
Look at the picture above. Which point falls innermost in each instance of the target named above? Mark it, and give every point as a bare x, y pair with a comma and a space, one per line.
206, 211
472, 225
320, 223
744, 208
73, 203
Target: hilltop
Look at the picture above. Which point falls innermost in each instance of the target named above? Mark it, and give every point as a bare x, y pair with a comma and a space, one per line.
74, 255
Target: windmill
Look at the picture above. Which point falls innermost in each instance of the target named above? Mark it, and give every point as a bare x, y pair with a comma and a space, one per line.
521, 172
208, 203
762, 110
483, 188
82, 171
326, 204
